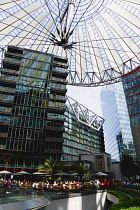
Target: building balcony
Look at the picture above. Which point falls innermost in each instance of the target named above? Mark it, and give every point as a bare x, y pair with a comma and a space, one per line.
55, 118
3, 135
4, 123
11, 65
53, 151
6, 83
60, 71
58, 89
5, 112
57, 109
15, 50
11, 60
7, 92
59, 80
57, 98
13, 55
9, 72
60, 63
51, 139
54, 128
6, 103
2, 147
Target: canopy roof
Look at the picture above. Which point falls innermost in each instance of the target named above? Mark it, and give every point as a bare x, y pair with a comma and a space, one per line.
100, 38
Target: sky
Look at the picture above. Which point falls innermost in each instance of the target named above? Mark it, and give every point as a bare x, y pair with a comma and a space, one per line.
87, 96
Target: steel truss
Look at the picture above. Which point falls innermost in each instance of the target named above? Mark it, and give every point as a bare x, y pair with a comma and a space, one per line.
111, 76
84, 115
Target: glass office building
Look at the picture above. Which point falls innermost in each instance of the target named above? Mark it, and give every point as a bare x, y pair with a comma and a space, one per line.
80, 138
33, 116
131, 84
117, 129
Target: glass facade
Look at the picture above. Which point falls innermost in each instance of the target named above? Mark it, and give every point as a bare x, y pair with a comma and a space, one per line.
117, 130
80, 138
32, 105
35, 122
131, 84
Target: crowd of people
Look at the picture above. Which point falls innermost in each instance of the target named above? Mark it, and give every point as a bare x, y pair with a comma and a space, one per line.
56, 185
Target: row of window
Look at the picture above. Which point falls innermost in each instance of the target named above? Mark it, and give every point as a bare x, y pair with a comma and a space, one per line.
133, 98
132, 91
135, 119
33, 123
30, 146
131, 76
132, 83
66, 157
73, 150
134, 108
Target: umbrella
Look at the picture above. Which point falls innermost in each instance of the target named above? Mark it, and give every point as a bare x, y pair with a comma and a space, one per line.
5, 172
40, 173
63, 174
75, 174
94, 174
22, 173
101, 174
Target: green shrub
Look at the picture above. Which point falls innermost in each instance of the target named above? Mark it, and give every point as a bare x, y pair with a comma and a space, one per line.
133, 193
132, 208
125, 203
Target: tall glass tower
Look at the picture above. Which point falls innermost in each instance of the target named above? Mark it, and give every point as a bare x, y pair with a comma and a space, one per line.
117, 130
131, 84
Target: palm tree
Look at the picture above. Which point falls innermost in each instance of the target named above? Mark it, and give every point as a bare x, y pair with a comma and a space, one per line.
81, 170
51, 166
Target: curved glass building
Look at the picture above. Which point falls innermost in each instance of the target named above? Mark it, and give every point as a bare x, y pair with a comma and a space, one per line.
117, 129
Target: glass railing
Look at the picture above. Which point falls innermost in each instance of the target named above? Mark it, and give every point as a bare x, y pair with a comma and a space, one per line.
57, 97
6, 101
55, 117
15, 195
59, 79
59, 87
60, 63
63, 70
10, 60
16, 54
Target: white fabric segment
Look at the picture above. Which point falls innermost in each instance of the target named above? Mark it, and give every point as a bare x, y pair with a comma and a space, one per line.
82, 50
113, 55
125, 14
133, 3
133, 27
11, 4
68, 54
94, 50
50, 48
77, 55
80, 55
128, 45
39, 44
24, 36
17, 18
63, 54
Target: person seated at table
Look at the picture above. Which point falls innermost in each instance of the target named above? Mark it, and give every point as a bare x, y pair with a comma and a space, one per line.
55, 184
47, 184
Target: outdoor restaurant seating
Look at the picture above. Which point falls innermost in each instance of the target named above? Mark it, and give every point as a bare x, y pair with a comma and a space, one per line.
63, 187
